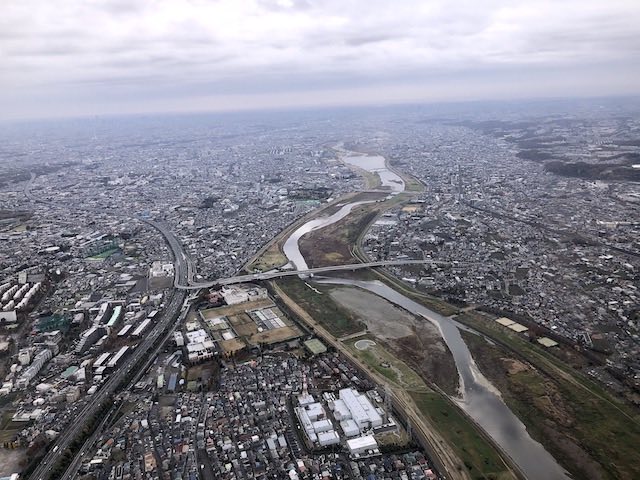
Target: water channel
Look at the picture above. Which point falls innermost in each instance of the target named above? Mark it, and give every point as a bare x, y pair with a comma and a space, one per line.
377, 164
479, 398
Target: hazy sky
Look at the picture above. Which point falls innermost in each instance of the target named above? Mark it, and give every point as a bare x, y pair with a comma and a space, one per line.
68, 57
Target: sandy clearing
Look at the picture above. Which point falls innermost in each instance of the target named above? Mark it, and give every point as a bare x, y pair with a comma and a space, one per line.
383, 319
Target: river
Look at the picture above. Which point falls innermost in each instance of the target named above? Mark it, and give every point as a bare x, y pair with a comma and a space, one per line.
291, 248
377, 164
479, 398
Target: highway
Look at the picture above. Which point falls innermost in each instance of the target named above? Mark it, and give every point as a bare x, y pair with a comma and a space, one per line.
183, 263
27, 188
72, 470
177, 303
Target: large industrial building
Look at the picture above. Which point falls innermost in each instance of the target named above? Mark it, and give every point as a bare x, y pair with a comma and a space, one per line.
116, 315
313, 418
89, 338
359, 445
241, 293
117, 358
140, 329
101, 360
27, 375
357, 407
352, 410
200, 346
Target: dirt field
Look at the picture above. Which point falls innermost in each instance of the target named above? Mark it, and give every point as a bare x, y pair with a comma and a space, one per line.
275, 336
247, 330
243, 325
10, 461
204, 372
332, 245
271, 258
383, 319
233, 345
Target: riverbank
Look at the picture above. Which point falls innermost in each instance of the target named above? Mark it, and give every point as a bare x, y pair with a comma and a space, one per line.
408, 338
592, 434
271, 256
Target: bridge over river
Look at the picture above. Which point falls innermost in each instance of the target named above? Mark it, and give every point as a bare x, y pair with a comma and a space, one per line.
311, 271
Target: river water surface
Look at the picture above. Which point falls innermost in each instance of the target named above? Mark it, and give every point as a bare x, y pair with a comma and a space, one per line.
291, 248
377, 164
479, 399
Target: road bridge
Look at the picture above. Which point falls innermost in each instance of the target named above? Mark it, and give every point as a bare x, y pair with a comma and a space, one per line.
253, 277
185, 269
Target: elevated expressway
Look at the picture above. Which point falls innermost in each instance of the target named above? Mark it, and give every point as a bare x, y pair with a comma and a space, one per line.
176, 302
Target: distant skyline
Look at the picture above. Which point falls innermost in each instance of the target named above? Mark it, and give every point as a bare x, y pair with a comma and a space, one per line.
76, 57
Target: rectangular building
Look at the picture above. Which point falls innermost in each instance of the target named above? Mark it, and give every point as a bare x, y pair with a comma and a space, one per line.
115, 317
362, 411
320, 426
360, 445
125, 330
102, 359
141, 328
349, 428
118, 357
328, 438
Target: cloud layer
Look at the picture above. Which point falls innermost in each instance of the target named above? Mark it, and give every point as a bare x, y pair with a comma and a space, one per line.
95, 56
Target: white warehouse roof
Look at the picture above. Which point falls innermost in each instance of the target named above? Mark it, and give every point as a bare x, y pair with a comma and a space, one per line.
328, 438
314, 410
322, 426
340, 410
349, 428
360, 444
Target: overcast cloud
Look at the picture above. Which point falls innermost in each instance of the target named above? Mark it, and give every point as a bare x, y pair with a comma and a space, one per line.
68, 57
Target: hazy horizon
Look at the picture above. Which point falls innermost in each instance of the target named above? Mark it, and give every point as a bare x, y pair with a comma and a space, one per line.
70, 59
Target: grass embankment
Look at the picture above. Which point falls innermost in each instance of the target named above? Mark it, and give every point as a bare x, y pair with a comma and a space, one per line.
321, 307
480, 458
271, 258
412, 184
378, 358
372, 179
591, 433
